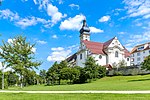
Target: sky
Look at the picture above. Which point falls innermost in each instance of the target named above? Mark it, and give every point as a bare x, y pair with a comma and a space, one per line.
54, 24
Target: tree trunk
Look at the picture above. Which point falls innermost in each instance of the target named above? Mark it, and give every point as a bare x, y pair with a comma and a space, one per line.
21, 85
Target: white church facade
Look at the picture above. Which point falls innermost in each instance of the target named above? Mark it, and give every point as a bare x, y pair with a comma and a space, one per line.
106, 54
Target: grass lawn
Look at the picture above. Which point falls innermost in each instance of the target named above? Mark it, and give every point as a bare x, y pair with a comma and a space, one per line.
140, 82
24, 96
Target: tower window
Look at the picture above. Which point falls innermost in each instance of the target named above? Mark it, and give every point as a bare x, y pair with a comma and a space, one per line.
127, 59
80, 56
116, 54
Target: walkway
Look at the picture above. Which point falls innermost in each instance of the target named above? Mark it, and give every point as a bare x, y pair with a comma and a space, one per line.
55, 92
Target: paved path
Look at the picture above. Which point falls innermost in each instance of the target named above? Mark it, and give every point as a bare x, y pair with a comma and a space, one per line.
56, 92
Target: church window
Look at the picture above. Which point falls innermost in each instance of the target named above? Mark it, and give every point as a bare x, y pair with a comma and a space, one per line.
116, 54
80, 56
100, 56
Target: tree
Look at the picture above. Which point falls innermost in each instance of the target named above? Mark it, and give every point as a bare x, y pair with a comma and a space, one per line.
43, 76
52, 74
101, 71
146, 63
90, 70
122, 64
19, 55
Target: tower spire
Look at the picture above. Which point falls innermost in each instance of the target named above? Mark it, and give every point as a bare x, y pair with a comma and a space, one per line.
85, 31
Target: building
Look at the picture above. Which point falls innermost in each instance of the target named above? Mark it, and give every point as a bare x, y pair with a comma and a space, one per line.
108, 53
139, 52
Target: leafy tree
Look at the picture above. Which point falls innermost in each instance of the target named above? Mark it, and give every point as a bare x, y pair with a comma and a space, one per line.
90, 70
19, 55
101, 71
12, 78
146, 63
122, 64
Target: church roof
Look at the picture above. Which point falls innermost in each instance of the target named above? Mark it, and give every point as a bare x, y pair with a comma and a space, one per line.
98, 48
94, 47
127, 53
107, 43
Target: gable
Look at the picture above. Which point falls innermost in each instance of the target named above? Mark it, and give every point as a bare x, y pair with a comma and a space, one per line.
115, 43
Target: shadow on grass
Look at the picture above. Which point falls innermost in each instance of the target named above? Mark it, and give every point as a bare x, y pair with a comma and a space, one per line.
139, 80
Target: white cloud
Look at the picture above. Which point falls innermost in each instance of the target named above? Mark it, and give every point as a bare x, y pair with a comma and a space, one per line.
74, 23
137, 39
10, 40
33, 50
41, 42
104, 19
60, 53
95, 30
54, 36
7, 14
57, 49
30, 21
136, 8
121, 33
74, 6
54, 13
22, 22
35, 2
4, 68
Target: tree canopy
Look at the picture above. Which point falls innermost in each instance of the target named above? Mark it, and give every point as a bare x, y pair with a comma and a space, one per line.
18, 54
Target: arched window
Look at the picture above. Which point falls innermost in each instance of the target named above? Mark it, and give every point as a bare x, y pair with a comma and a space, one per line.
116, 54
80, 56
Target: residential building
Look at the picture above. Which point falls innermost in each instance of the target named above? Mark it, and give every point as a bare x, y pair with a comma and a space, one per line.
139, 53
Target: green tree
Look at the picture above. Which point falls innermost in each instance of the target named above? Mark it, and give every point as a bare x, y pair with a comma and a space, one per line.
19, 55
146, 63
52, 74
101, 71
43, 76
90, 70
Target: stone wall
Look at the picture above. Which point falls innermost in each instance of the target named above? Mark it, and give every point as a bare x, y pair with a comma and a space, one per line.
130, 70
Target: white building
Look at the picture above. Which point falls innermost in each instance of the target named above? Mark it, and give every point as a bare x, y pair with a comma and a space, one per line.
106, 54
139, 52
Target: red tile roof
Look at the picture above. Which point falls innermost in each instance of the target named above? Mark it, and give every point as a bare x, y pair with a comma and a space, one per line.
127, 53
107, 43
94, 47
98, 48
136, 47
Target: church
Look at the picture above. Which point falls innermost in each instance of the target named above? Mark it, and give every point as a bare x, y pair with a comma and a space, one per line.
107, 54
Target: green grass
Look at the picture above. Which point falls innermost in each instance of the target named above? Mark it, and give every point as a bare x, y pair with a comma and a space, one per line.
108, 83
24, 96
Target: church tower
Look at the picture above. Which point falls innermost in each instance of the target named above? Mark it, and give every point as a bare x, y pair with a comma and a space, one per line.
84, 32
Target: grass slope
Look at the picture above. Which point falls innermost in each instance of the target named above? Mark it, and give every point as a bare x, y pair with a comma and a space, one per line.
24, 96
108, 83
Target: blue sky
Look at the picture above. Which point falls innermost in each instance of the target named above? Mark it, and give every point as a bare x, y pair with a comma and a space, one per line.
54, 24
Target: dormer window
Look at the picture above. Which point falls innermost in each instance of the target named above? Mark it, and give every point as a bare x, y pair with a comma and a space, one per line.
140, 48
116, 54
